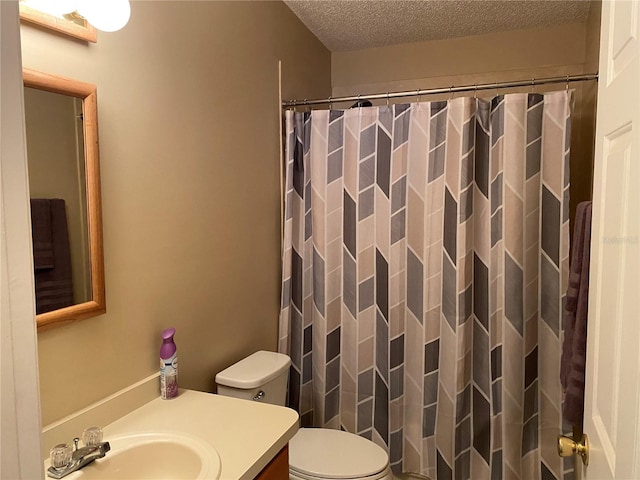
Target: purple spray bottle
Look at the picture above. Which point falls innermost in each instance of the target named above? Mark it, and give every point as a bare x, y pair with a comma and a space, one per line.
168, 365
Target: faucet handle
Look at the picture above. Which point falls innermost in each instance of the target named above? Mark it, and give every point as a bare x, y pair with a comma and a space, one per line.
60, 456
92, 436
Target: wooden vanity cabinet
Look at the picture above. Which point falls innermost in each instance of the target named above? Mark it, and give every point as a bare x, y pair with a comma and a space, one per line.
278, 468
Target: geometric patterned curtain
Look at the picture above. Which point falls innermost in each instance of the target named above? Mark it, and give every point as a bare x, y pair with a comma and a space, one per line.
425, 263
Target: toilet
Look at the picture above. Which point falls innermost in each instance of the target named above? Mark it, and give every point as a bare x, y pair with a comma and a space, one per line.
314, 453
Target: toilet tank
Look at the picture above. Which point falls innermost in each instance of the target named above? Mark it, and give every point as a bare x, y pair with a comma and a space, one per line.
261, 376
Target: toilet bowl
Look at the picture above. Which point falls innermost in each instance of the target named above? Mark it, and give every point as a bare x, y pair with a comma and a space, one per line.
321, 453
314, 453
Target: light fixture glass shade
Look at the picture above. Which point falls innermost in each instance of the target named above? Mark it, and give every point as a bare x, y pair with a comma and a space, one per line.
105, 15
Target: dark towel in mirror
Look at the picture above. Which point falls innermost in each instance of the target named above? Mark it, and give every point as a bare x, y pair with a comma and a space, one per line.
54, 286
41, 234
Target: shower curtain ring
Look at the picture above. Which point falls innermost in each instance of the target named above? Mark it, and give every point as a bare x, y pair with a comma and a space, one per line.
567, 88
387, 99
418, 95
451, 92
533, 85
475, 91
330, 104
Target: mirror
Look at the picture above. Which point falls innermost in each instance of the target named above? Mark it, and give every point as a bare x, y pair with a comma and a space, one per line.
64, 182
72, 25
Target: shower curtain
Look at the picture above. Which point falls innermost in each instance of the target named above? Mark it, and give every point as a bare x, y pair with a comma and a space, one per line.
425, 262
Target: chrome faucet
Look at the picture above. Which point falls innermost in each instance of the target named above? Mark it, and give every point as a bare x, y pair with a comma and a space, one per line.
66, 459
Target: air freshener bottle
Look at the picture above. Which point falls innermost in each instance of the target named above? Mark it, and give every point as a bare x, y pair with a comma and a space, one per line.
168, 365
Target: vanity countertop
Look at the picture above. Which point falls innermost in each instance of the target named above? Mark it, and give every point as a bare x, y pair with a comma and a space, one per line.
246, 434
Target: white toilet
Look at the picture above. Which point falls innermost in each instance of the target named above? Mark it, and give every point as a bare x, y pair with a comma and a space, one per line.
314, 453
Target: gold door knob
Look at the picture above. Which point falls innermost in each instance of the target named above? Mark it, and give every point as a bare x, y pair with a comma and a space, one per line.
568, 447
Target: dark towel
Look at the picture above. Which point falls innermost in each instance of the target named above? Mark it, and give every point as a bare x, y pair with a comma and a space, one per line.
54, 287
572, 366
41, 233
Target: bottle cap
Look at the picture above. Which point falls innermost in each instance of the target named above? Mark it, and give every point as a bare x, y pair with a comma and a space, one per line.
168, 333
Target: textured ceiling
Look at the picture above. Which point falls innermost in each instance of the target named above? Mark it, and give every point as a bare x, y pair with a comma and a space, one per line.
343, 25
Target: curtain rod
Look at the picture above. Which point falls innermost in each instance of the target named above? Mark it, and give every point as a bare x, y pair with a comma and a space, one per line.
452, 89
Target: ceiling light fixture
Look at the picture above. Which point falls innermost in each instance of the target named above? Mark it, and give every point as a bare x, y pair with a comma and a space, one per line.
105, 15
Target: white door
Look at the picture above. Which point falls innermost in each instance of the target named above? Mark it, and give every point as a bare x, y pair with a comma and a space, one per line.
612, 400
20, 412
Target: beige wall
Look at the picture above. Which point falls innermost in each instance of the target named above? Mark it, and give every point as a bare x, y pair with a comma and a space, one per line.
516, 55
189, 129
590, 92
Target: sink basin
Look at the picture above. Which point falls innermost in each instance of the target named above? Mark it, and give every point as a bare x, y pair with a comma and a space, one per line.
154, 456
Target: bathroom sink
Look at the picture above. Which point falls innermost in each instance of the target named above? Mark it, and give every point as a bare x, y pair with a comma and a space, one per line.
154, 456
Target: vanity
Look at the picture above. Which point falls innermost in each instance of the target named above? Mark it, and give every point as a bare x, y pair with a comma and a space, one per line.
249, 439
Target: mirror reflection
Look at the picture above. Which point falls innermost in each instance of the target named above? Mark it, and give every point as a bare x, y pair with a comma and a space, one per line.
55, 145
64, 184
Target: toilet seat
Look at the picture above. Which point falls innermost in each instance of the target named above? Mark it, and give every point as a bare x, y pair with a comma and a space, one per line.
319, 453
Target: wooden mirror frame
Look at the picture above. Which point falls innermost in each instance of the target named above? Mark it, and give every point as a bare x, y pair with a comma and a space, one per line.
83, 32
86, 92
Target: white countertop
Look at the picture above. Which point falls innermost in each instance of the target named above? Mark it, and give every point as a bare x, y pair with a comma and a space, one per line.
246, 434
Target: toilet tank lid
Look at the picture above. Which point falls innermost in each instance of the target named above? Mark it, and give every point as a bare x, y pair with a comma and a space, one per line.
254, 370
